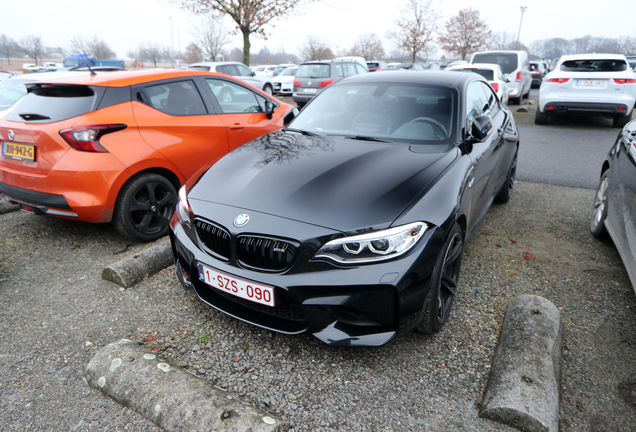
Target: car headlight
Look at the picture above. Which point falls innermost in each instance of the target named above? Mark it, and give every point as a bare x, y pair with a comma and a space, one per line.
373, 247
183, 208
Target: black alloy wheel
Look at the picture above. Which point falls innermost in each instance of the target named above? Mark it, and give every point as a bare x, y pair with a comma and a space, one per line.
599, 211
443, 282
144, 207
506, 189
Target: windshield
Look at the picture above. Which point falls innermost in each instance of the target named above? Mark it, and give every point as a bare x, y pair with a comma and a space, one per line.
387, 111
600, 65
288, 72
507, 61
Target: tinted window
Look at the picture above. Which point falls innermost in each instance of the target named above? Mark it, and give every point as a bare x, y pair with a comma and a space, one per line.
56, 102
486, 73
234, 98
407, 113
507, 61
178, 98
313, 71
594, 65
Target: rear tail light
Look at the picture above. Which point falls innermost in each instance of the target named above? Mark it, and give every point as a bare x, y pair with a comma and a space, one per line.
559, 80
296, 83
86, 138
519, 76
495, 86
326, 83
624, 81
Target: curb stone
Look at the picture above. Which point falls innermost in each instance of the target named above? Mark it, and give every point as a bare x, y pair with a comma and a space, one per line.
6, 207
524, 386
168, 396
134, 269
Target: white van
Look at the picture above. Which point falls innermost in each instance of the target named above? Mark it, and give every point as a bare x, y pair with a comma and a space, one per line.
516, 68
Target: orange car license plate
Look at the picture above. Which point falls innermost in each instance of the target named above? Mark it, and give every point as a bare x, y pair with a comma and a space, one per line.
247, 290
18, 151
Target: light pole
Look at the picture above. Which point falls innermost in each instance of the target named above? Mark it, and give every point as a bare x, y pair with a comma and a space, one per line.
171, 44
523, 9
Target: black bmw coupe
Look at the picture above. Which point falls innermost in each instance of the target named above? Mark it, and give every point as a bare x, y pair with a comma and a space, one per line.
350, 223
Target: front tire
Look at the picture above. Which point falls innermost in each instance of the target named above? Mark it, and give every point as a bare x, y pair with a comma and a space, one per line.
444, 280
599, 212
506, 189
144, 207
268, 89
540, 118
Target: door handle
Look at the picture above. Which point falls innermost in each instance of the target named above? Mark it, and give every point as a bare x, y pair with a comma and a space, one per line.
237, 126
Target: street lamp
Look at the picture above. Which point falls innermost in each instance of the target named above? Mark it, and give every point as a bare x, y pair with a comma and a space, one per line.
523, 9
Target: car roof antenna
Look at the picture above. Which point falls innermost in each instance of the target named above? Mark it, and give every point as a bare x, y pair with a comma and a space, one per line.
88, 65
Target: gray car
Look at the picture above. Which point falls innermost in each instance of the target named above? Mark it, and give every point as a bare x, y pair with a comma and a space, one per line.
238, 70
314, 76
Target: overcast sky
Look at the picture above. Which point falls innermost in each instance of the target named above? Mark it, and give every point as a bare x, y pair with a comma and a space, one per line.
124, 24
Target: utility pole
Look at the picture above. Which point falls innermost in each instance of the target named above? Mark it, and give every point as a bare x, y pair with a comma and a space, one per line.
523, 9
171, 44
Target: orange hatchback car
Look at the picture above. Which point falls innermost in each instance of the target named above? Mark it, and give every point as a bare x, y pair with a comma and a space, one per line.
117, 146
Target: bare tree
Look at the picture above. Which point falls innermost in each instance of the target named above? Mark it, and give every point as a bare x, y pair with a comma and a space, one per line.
210, 35
315, 48
581, 45
8, 47
250, 16
368, 46
415, 28
32, 46
151, 52
500, 41
93, 48
192, 53
465, 33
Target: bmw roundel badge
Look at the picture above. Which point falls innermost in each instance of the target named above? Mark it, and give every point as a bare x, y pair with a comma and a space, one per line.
241, 220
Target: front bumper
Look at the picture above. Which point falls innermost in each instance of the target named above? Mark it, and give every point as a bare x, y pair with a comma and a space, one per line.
342, 306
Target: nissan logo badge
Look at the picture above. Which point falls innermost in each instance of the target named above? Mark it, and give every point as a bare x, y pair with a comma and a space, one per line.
11, 135
241, 220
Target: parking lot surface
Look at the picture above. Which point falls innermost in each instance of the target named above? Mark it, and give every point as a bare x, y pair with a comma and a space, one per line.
57, 311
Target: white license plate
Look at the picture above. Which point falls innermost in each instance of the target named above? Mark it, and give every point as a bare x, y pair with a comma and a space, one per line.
590, 83
310, 90
244, 289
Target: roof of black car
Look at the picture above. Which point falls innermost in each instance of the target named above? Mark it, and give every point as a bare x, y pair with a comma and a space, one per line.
436, 78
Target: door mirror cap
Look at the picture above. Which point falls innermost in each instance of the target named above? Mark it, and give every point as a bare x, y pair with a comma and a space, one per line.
481, 127
269, 109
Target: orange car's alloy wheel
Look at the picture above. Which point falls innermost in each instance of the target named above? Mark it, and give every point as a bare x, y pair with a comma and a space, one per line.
144, 207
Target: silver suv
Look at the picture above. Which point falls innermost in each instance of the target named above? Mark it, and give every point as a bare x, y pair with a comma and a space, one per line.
314, 76
238, 70
516, 68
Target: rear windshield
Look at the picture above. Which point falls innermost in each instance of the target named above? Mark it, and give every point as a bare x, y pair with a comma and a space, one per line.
507, 61
199, 68
597, 65
46, 103
314, 71
486, 73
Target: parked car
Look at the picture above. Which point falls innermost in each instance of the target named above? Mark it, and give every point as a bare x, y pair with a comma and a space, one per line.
430, 66
30, 67
614, 203
515, 66
282, 67
284, 81
313, 77
376, 65
351, 222
238, 70
537, 71
589, 83
493, 74
117, 146
266, 70
413, 66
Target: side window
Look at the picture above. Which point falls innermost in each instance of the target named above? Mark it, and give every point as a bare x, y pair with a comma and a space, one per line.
360, 69
243, 70
475, 102
350, 69
339, 71
234, 98
177, 98
222, 69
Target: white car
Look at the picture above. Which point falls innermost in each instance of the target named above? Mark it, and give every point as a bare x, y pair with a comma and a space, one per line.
492, 72
284, 81
600, 84
238, 70
267, 70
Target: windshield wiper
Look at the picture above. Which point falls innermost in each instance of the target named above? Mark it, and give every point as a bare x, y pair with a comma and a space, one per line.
304, 132
29, 117
368, 138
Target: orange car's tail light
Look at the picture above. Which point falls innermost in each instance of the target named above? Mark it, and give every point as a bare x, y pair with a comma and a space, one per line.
86, 138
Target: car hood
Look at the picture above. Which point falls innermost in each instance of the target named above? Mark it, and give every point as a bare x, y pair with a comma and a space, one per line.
333, 182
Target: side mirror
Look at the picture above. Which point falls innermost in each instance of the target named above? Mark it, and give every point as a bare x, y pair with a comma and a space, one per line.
291, 114
252, 73
482, 126
269, 109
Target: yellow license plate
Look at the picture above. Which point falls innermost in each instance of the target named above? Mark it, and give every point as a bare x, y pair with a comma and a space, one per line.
25, 152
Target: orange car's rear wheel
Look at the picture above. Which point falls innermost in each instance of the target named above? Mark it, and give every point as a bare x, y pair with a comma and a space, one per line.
144, 207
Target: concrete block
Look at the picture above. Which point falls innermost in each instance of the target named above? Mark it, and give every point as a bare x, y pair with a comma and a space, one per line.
170, 397
6, 207
134, 269
524, 386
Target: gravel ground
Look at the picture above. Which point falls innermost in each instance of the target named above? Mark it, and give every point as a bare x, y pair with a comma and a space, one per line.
56, 312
